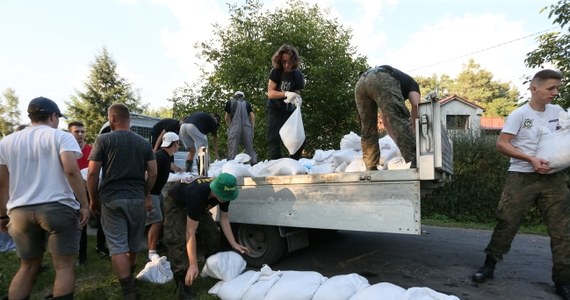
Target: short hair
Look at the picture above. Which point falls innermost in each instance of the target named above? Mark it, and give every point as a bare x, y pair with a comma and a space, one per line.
546, 74
75, 123
276, 58
120, 110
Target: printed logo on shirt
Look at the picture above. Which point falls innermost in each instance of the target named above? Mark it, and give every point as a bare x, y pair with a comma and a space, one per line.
527, 123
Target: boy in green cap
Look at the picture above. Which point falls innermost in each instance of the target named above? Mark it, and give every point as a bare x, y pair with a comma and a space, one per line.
188, 204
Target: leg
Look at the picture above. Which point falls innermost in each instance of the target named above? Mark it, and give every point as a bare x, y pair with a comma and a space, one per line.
154, 233
248, 144
22, 283
274, 123
368, 112
83, 246
396, 118
555, 209
64, 282
208, 235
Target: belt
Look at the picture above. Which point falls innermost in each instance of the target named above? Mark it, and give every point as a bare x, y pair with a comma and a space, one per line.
376, 70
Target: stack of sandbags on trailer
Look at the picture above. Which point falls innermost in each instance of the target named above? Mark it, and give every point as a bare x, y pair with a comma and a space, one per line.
300, 285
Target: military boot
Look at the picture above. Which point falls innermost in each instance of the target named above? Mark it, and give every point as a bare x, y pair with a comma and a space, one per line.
189, 166
184, 292
486, 271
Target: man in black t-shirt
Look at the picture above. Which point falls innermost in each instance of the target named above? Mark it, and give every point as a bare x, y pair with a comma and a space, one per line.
164, 163
188, 205
387, 88
160, 128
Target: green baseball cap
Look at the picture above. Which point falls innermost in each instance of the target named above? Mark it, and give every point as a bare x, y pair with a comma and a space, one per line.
224, 186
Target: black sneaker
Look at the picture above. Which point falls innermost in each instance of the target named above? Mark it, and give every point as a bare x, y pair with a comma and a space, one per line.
103, 251
563, 290
82, 260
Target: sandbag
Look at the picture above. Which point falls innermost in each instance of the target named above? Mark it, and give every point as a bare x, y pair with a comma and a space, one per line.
267, 278
224, 265
236, 169
343, 156
156, 271
357, 165
282, 166
341, 287
235, 288
424, 293
296, 285
380, 291
388, 150
351, 141
292, 132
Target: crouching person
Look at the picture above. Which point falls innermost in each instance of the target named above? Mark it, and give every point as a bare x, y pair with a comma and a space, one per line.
187, 217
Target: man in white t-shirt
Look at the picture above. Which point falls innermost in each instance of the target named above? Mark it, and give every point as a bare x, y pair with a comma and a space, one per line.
528, 183
39, 176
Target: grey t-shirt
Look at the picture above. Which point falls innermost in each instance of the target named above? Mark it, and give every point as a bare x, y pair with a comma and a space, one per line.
124, 156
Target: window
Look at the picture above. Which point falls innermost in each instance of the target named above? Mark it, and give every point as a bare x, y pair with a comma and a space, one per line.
457, 122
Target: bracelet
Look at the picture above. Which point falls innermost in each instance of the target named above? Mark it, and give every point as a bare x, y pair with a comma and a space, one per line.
4, 217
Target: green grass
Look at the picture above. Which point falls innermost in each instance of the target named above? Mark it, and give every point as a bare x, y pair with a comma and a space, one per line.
445, 222
96, 279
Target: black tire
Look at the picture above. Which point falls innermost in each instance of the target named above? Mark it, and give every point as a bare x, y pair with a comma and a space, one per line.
266, 246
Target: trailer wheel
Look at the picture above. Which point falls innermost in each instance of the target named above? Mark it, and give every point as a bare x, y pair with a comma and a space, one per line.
266, 246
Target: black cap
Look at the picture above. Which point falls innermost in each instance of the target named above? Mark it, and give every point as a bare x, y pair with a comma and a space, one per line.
43, 105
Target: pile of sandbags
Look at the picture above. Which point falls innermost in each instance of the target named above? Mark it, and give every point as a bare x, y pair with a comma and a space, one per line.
300, 285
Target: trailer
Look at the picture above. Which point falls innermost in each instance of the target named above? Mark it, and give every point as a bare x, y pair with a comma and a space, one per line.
272, 215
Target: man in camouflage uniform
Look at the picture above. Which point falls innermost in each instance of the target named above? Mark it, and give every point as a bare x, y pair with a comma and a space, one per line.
387, 88
531, 182
188, 204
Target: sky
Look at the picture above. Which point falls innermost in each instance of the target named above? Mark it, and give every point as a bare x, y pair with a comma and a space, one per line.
47, 46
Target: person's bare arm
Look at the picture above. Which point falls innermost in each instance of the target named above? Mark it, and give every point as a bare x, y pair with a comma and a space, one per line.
227, 118
4, 196
75, 180
505, 146
228, 233
158, 141
151, 173
192, 272
93, 185
415, 99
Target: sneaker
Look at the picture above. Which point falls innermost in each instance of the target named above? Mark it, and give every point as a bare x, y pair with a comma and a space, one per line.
563, 290
81, 261
103, 251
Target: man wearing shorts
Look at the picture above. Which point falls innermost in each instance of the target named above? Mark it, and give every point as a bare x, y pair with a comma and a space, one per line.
194, 131
154, 218
124, 193
39, 176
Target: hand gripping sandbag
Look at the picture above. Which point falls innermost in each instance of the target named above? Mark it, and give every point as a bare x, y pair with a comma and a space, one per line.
554, 146
292, 132
156, 271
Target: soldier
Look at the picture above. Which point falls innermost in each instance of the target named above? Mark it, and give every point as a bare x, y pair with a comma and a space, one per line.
387, 88
529, 183
188, 205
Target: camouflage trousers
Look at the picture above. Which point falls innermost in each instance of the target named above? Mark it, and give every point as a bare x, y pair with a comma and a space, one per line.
551, 195
379, 90
207, 235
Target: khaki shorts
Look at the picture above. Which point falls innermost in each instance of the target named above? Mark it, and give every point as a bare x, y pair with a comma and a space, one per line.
155, 215
123, 222
34, 225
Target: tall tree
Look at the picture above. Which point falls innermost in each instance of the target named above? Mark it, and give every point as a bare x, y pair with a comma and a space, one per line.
554, 48
239, 58
9, 111
103, 88
476, 85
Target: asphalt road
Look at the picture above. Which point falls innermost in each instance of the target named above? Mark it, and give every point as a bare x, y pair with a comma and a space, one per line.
442, 259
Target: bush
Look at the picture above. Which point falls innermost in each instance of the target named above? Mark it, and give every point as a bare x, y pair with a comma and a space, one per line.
480, 173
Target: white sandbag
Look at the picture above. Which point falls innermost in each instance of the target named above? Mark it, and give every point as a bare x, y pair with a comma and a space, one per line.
553, 147
346, 156
307, 163
357, 165
322, 156
351, 141
388, 149
380, 291
215, 168
156, 271
282, 166
397, 163
341, 287
235, 288
296, 285
242, 158
236, 169
224, 265
292, 132
267, 278
6, 242
424, 293
341, 168
322, 168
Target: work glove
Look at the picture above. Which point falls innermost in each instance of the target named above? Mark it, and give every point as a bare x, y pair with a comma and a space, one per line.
291, 96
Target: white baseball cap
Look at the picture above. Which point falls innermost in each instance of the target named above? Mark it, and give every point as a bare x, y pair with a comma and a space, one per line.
168, 138
239, 93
